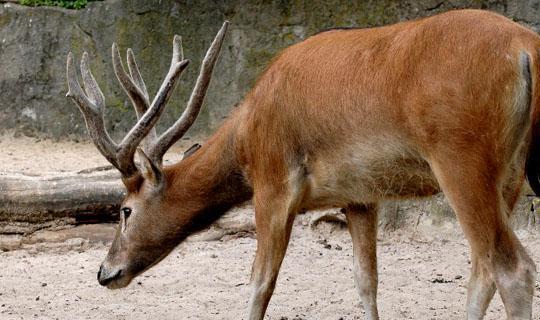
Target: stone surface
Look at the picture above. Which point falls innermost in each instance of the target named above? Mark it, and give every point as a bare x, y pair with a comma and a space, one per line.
35, 42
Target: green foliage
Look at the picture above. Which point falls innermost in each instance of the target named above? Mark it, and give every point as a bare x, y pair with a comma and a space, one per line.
68, 4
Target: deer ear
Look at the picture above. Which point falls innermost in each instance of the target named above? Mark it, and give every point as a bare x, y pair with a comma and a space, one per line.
191, 150
150, 171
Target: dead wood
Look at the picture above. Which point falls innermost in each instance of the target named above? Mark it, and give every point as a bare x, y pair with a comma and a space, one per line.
86, 196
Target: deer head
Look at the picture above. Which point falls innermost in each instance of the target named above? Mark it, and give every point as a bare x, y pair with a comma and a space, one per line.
147, 231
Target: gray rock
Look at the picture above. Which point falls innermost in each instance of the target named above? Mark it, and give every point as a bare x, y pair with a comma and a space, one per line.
35, 42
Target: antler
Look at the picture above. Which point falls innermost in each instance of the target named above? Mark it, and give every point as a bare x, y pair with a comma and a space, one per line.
181, 126
91, 102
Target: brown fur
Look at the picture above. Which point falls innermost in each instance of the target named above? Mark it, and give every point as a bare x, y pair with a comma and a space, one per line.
349, 118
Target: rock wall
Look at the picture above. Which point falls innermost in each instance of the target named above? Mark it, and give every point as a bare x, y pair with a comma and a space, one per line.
35, 42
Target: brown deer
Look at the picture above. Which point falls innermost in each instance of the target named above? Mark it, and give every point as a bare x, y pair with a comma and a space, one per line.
346, 118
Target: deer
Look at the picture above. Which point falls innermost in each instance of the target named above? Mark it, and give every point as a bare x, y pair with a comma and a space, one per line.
344, 119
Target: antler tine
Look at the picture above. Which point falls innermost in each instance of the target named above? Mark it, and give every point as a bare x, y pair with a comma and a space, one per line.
90, 84
140, 108
179, 128
137, 94
178, 49
136, 77
91, 107
129, 144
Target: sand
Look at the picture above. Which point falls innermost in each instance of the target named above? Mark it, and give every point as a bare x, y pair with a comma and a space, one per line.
423, 275
209, 280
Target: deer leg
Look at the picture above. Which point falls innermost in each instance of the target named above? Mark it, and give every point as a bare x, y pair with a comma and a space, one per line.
474, 192
516, 294
362, 222
480, 290
275, 210
514, 182
481, 285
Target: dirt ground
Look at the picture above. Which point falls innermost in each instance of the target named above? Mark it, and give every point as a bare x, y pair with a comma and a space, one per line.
209, 280
423, 274
42, 156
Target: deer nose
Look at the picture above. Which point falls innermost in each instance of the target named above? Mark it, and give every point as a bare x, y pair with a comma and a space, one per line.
105, 276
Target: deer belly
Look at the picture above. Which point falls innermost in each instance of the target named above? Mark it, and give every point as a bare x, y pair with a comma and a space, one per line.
365, 179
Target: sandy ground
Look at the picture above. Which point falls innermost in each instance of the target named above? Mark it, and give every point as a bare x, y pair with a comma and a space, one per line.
209, 280
38, 156
423, 275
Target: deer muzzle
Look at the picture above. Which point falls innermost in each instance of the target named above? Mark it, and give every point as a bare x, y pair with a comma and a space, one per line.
109, 277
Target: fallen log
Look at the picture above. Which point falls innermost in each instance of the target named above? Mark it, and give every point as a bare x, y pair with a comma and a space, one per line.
92, 195
32, 202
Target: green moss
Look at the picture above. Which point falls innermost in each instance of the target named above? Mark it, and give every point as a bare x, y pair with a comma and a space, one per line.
5, 19
256, 61
117, 104
77, 45
258, 57
68, 4
376, 13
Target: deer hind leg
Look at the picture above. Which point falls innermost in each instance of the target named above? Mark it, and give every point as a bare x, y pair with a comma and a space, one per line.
514, 180
475, 194
481, 288
362, 222
481, 285
275, 209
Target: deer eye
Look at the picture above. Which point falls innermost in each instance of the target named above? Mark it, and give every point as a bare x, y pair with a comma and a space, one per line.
126, 211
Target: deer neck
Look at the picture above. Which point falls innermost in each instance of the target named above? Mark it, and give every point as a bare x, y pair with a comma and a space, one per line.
210, 182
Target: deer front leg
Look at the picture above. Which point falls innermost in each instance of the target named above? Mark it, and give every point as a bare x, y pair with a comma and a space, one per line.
275, 210
362, 222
